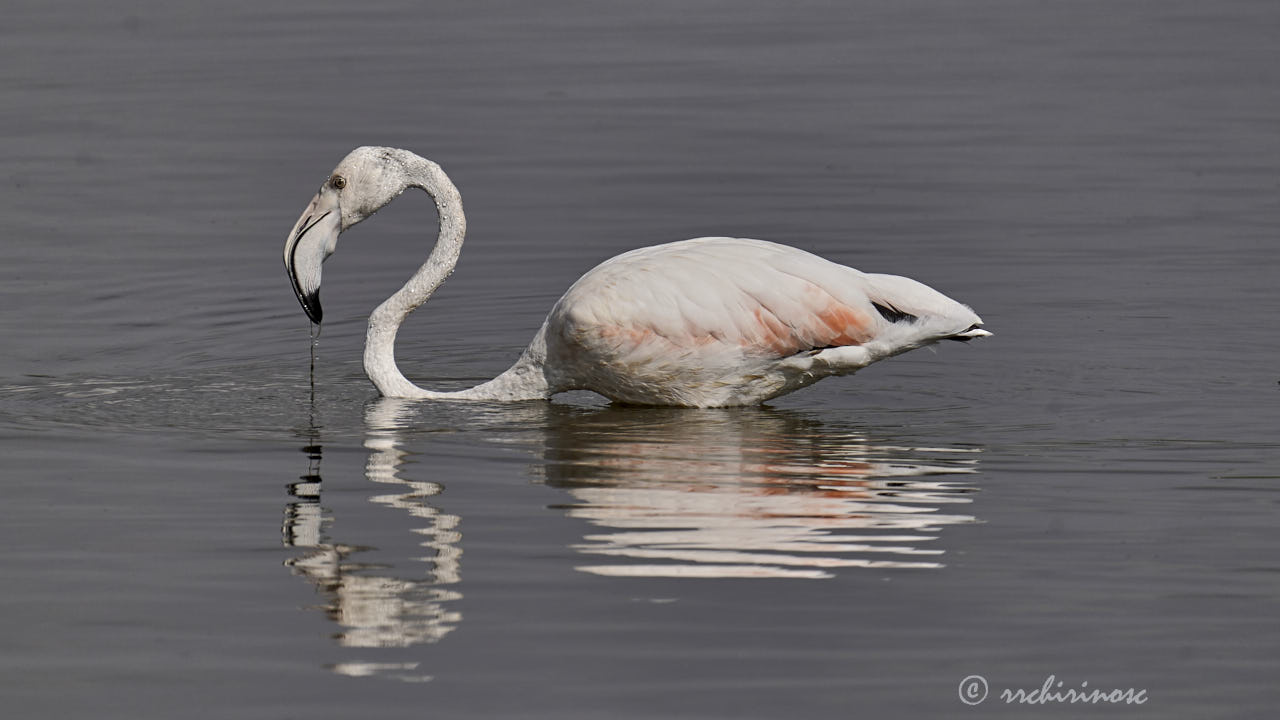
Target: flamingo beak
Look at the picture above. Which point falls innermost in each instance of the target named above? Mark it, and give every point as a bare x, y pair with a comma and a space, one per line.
311, 241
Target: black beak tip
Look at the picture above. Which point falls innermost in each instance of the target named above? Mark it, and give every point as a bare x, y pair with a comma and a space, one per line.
311, 306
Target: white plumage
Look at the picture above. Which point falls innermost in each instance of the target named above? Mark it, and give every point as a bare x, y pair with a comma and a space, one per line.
703, 322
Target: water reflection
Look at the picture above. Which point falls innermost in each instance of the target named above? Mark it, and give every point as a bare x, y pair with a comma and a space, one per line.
722, 493
750, 493
373, 608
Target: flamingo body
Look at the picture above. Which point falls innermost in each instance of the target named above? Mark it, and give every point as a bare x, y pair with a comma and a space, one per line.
732, 321
706, 322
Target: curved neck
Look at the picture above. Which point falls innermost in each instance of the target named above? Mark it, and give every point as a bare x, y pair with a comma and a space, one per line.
523, 381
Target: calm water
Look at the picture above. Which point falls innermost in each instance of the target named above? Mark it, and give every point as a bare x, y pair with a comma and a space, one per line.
1090, 494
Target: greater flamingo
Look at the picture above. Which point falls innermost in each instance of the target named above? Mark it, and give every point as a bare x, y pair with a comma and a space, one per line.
708, 322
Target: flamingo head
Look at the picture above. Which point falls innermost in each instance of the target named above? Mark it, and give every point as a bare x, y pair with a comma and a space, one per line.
366, 180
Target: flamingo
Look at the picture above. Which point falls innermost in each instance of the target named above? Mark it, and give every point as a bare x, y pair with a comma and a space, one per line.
707, 322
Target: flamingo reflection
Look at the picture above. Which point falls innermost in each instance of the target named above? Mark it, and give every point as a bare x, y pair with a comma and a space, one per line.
747, 492
750, 493
378, 610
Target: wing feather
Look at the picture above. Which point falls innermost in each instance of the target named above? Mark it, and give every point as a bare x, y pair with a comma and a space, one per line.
746, 297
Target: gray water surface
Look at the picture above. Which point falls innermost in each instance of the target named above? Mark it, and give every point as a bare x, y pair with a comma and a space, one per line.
192, 527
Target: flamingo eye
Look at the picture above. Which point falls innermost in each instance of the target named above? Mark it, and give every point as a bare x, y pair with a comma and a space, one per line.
337, 182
